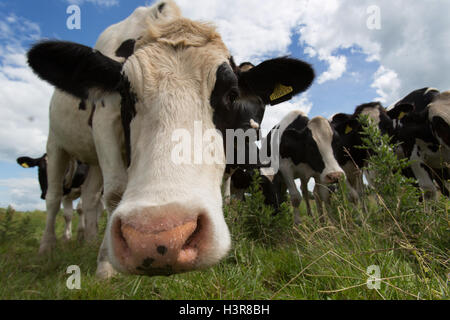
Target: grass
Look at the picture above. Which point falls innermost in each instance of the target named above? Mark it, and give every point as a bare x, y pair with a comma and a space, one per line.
310, 261
271, 258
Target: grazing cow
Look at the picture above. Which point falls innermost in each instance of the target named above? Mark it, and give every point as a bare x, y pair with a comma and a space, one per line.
349, 129
309, 148
272, 187
167, 217
73, 179
424, 138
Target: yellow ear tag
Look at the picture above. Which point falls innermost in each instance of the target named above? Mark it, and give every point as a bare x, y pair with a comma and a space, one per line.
348, 129
280, 91
401, 115
24, 165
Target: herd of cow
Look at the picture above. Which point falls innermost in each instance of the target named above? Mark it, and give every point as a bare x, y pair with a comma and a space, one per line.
327, 150
114, 110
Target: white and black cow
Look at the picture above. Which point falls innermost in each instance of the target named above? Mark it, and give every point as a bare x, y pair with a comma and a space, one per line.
309, 148
349, 129
272, 186
424, 137
416, 101
73, 179
166, 217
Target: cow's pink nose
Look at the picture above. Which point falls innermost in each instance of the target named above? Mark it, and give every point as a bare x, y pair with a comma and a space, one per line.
158, 246
334, 177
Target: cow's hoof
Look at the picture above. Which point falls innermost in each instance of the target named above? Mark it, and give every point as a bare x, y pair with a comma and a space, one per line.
105, 271
297, 220
46, 247
90, 235
66, 237
80, 235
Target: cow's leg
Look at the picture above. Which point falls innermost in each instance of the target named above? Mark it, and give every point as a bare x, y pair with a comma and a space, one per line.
68, 213
353, 181
89, 198
105, 269
226, 189
305, 192
322, 195
100, 208
81, 221
296, 197
422, 175
57, 164
108, 137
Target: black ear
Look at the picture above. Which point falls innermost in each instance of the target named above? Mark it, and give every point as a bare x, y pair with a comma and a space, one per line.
277, 80
344, 123
74, 68
399, 111
340, 118
28, 162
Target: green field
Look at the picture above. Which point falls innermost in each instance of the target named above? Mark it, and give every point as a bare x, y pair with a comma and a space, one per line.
391, 229
270, 259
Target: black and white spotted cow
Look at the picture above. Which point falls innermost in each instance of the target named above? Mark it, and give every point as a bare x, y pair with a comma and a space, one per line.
416, 102
424, 138
73, 179
272, 186
308, 148
354, 160
166, 216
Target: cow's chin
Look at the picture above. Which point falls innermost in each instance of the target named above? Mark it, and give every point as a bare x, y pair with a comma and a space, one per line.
166, 239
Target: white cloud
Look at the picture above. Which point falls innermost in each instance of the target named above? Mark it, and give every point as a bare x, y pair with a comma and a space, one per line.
338, 65
102, 3
24, 98
411, 45
21, 193
386, 83
251, 29
274, 114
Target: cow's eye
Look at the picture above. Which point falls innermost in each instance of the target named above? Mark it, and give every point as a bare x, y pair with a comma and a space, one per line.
232, 96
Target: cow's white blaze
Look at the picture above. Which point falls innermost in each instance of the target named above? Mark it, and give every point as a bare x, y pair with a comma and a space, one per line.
323, 136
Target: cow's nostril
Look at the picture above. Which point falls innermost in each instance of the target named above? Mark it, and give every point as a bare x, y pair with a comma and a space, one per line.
161, 250
334, 177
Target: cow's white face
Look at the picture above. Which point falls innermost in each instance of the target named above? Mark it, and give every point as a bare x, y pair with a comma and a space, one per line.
439, 118
179, 76
327, 143
173, 83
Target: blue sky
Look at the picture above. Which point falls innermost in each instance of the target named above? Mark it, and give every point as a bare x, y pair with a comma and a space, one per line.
354, 64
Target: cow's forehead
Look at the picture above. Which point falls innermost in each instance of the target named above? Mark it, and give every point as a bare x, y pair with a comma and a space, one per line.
179, 49
320, 127
183, 33
441, 107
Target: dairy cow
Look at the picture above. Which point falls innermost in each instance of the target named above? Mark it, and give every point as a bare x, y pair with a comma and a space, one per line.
349, 128
423, 135
308, 148
166, 216
272, 186
73, 180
